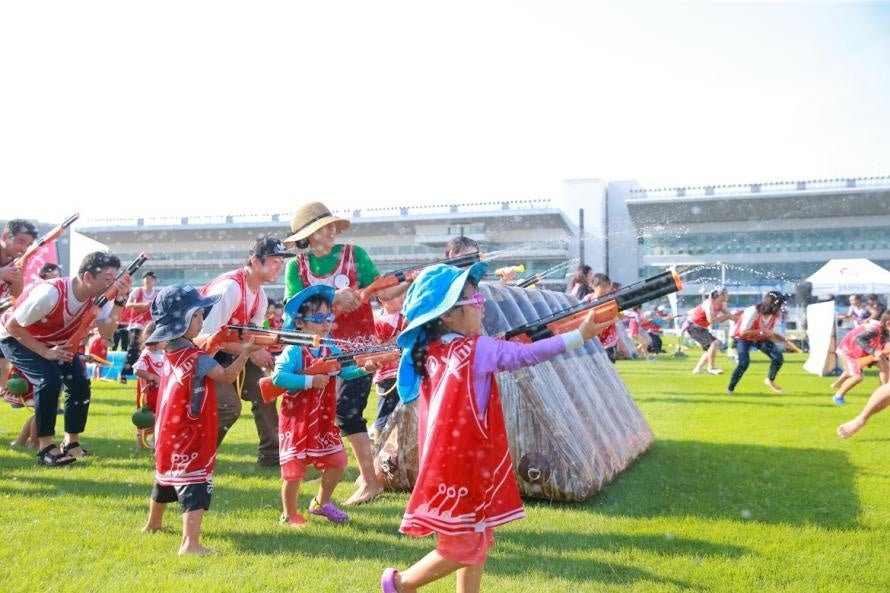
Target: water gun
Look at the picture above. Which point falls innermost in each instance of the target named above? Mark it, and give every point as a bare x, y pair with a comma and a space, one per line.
870, 359
262, 336
756, 335
605, 308
559, 268
331, 365
52, 235
86, 323
408, 274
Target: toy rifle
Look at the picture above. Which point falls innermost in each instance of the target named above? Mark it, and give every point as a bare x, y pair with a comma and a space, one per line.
537, 277
870, 359
605, 308
262, 336
408, 274
52, 235
330, 365
86, 323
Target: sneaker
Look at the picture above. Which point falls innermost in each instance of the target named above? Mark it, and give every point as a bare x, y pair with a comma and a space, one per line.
838, 400
328, 511
297, 520
715, 371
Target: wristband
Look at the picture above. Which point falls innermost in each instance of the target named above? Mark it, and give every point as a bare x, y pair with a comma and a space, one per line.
120, 302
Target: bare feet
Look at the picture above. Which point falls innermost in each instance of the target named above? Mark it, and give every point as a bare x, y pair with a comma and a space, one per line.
194, 549
149, 528
772, 385
364, 494
848, 429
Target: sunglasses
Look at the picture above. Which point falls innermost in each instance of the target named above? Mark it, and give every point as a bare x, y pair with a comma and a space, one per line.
476, 301
319, 318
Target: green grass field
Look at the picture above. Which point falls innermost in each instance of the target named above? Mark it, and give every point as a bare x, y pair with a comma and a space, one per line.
751, 492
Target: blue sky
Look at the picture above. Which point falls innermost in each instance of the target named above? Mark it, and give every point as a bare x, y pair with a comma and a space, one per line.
125, 109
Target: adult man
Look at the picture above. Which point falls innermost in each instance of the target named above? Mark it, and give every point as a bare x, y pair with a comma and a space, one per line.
138, 304
243, 302
33, 335
17, 236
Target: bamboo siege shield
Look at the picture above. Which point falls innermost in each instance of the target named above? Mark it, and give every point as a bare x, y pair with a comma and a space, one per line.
572, 424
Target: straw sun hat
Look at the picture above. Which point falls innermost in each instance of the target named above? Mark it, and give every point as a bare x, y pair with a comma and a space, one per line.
309, 218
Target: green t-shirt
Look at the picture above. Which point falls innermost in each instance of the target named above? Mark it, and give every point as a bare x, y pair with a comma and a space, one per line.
323, 266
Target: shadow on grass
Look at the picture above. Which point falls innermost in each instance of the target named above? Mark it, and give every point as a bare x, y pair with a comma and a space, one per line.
403, 551
737, 482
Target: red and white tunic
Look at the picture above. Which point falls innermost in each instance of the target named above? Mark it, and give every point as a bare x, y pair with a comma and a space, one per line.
306, 421
465, 482
243, 313
62, 320
139, 318
387, 328
850, 346
185, 444
699, 315
357, 323
150, 361
98, 347
752, 320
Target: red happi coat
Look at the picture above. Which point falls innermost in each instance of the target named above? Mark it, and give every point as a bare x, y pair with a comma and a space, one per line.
465, 482
306, 426
851, 349
185, 445
358, 323
60, 323
241, 315
765, 322
140, 317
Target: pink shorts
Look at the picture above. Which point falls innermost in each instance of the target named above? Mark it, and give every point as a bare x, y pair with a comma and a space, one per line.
295, 469
467, 548
851, 364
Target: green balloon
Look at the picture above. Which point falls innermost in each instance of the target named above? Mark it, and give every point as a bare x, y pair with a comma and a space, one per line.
17, 386
144, 418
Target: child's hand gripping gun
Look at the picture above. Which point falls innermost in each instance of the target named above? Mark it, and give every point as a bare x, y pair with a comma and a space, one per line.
86, 323
396, 277
331, 365
262, 336
605, 308
870, 359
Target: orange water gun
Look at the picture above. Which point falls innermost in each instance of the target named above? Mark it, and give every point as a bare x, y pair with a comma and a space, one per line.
396, 277
86, 323
332, 365
262, 336
52, 235
870, 359
605, 308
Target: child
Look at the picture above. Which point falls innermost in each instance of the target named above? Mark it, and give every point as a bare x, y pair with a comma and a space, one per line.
307, 431
465, 485
387, 326
148, 368
186, 422
602, 287
867, 339
97, 349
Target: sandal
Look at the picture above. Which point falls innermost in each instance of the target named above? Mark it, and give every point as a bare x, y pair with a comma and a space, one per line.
297, 520
388, 581
328, 511
45, 457
75, 445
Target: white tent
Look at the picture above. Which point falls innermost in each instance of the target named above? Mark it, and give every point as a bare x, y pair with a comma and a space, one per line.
850, 276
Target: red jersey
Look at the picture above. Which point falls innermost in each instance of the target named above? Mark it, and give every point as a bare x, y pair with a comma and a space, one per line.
146, 391
759, 322
185, 445
387, 328
851, 348
241, 315
358, 323
139, 318
306, 422
465, 483
61, 322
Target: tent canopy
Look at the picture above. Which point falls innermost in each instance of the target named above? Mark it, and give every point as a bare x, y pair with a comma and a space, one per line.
850, 276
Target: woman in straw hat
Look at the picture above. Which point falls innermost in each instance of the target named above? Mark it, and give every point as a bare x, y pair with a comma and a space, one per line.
348, 269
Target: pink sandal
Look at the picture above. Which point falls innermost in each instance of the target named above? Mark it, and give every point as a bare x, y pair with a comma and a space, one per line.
388, 581
328, 511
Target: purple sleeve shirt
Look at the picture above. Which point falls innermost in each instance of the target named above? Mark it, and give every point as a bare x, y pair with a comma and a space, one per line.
494, 355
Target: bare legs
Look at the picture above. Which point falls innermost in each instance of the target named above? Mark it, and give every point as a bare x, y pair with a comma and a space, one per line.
879, 400
369, 487
433, 567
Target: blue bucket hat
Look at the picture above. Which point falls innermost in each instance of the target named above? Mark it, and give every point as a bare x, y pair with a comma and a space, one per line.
172, 311
431, 295
292, 306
